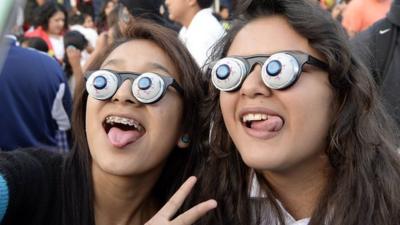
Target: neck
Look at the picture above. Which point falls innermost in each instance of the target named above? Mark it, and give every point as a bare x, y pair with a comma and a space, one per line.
191, 13
299, 190
122, 200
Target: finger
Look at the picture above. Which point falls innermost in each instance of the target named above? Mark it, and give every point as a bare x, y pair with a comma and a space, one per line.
195, 213
175, 202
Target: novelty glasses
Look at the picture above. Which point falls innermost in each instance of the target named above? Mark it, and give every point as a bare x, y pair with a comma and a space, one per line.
279, 70
147, 88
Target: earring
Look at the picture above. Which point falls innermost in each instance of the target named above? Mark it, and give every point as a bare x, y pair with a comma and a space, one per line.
185, 138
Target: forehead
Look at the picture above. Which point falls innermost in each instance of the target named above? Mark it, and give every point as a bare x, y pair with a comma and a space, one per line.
58, 14
267, 35
140, 56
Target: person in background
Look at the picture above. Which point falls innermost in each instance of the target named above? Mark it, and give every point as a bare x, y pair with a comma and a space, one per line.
129, 10
35, 99
200, 29
75, 44
30, 11
34, 42
360, 14
102, 18
77, 23
51, 22
382, 43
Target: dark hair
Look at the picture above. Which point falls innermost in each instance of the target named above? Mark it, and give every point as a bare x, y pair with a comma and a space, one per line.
76, 19
147, 9
204, 3
101, 20
78, 186
36, 43
46, 11
361, 144
77, 40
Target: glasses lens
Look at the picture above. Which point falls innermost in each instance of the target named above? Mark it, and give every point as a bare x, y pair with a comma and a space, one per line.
228, 73
280, 71
148, 88
102, 84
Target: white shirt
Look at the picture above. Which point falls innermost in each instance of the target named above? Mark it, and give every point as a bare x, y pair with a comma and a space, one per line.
255, 193
58, 46
203, 32
90, 34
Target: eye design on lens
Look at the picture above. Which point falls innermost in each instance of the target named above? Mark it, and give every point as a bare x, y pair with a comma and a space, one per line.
102, 84
148, 88
144, 83
274, 68
228, 73
99, 82
223, 71
280, 70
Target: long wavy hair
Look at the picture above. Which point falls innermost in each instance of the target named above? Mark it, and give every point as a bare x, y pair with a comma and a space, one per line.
362, 149
78, 194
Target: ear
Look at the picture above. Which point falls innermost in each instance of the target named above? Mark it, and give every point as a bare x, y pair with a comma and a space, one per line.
184, 141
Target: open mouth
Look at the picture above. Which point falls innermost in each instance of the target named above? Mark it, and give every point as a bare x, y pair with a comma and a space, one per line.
121, 123
262, 123
249, 118
122, 131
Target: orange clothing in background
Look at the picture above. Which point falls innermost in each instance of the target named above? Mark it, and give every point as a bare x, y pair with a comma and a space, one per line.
39, 32
360, 14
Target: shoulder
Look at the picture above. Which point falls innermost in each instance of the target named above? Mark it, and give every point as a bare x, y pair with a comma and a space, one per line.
39, 64
30, 180
29, 157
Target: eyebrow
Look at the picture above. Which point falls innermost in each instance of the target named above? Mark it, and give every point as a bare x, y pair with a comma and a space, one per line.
114, 62
160, 67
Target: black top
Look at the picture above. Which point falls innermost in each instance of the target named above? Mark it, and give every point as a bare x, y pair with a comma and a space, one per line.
33, 178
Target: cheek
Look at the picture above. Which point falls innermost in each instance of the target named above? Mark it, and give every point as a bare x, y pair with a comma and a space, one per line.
168, 117
310, 112
227, 105
91, 119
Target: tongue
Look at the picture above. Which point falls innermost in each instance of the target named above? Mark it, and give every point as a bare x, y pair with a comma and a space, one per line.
273, 123
120, 138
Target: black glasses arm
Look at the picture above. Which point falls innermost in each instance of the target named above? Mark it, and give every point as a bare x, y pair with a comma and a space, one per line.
316, 62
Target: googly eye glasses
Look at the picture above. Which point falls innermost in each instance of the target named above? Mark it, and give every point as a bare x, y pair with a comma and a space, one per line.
147, 88
279, 70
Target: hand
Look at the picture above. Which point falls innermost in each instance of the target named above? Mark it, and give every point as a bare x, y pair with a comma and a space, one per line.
102, 41
163, 217
74, 56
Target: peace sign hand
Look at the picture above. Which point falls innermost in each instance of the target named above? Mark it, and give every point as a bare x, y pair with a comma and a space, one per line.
163, 217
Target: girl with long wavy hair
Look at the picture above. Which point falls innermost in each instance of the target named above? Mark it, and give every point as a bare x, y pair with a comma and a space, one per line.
298, 134
134, 127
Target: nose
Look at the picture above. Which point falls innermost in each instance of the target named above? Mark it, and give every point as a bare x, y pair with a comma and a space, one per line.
124, 94
253, 85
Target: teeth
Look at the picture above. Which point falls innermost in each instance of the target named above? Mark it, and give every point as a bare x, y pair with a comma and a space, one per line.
126, 121
254, 117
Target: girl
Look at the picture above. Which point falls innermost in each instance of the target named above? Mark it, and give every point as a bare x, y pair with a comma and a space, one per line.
299, 134
134, 126
50, 26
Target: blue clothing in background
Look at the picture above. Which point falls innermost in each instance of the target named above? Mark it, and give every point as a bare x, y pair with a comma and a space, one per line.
35, 102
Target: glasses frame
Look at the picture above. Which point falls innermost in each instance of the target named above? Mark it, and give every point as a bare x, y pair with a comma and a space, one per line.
251, 61
132, 76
